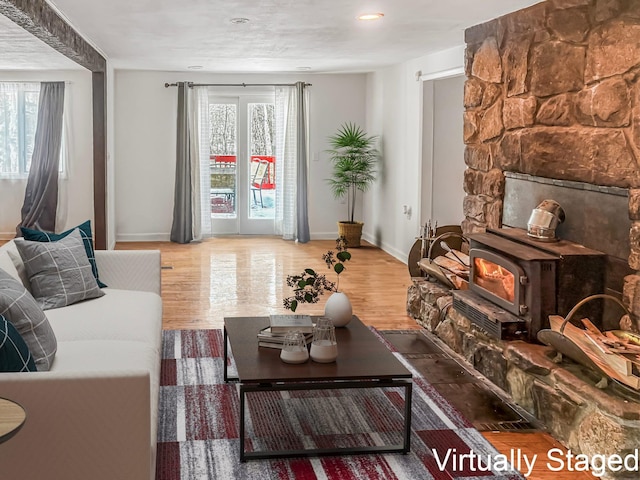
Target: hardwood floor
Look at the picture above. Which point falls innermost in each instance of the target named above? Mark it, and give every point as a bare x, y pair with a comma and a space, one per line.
531, 444
244, 276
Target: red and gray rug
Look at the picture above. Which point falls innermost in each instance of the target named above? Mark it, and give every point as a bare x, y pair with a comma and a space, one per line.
198, 426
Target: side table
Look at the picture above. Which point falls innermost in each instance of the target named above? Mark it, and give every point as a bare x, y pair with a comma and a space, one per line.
12, 417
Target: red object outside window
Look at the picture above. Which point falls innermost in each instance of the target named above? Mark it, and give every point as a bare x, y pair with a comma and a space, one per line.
270, 183
223, 158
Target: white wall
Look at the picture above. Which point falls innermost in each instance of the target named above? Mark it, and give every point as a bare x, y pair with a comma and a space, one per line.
111, 190
145, 132
76, 189
394, 111
447, 195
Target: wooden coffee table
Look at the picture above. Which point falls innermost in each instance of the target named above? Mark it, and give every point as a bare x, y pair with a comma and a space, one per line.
363, 362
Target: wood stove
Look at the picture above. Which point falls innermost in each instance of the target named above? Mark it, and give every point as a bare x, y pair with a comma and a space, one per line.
527, 281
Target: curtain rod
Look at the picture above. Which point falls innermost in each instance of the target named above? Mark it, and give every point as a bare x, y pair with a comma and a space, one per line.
191, 84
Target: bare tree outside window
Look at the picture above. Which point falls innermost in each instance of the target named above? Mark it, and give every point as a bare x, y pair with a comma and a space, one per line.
262, 128
222, 121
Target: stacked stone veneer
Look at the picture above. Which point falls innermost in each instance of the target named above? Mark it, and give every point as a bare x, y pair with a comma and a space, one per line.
554, 91
559, 393
551, 91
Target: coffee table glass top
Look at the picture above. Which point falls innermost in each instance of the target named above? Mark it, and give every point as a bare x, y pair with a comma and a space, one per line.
361, 356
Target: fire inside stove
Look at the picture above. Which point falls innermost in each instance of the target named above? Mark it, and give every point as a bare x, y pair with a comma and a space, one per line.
495, 279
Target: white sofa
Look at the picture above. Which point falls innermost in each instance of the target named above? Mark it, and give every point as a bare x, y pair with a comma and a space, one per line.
93, 416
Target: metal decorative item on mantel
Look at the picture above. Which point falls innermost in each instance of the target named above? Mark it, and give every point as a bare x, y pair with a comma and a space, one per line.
543, 221
309, 285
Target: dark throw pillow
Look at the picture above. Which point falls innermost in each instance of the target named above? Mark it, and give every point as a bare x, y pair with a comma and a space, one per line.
14, 353
87, 239
59, 272
19, 306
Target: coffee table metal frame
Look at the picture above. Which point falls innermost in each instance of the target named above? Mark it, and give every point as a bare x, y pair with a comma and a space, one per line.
399, 378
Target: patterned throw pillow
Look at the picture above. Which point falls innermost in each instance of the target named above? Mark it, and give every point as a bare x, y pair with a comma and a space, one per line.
85, 233
14, 353
59, 272
19, 306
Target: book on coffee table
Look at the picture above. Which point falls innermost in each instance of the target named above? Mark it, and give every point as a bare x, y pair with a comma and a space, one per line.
284, 323
266, 338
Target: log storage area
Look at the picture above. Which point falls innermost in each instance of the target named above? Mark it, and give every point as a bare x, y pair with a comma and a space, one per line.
615, 353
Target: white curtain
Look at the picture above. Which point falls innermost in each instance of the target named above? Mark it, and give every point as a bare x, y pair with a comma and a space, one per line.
291, 112
201, 172
66, 168
10, 151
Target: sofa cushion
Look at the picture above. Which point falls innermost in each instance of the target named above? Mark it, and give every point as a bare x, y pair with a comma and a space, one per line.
14, 353
10, 251
21, 309
118, 315
6, 264
59, 272
104, 356
87, 240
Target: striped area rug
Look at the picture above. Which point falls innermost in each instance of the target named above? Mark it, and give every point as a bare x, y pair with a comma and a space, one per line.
198, 426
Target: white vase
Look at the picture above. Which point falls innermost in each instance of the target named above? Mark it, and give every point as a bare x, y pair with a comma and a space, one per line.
338, 309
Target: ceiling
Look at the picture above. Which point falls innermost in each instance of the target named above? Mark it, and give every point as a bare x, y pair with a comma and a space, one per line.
19, 50
322, 36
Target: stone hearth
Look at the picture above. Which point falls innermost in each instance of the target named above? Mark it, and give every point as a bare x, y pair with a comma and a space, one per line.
558, 392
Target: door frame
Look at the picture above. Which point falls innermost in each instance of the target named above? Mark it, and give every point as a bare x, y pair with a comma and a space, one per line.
426, 91
242, 223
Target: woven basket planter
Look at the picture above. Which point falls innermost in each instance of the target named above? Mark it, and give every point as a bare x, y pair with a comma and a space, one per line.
351, 232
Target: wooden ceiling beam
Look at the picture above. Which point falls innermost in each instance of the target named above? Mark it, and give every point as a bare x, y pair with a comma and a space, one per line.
43, 22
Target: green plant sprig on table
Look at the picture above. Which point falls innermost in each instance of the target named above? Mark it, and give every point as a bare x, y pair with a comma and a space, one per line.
309, 285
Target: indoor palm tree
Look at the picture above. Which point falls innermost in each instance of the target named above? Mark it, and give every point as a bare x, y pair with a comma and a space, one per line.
354, 156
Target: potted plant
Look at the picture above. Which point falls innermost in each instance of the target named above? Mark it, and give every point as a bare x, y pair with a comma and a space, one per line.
309, 285
354, 157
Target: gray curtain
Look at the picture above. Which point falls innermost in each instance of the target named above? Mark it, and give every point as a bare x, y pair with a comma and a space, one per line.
41, 195
302, 210
182, 228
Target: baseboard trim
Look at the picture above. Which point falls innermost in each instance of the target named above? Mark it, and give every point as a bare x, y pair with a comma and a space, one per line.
7, 235
324, 235
164, 237
394, 252
143, 237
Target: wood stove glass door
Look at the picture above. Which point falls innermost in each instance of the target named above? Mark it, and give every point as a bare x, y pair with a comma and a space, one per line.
497, 279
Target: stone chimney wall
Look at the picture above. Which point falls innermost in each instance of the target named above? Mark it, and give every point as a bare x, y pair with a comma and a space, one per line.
553, 91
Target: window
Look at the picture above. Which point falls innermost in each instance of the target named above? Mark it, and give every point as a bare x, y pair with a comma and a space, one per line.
18, 120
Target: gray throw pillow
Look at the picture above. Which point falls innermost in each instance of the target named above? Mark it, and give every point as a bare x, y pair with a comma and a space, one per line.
59, 272
19, 306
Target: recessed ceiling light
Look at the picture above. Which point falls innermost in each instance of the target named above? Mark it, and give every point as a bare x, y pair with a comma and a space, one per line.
371, 16
303, 69
195, 67
239, 20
